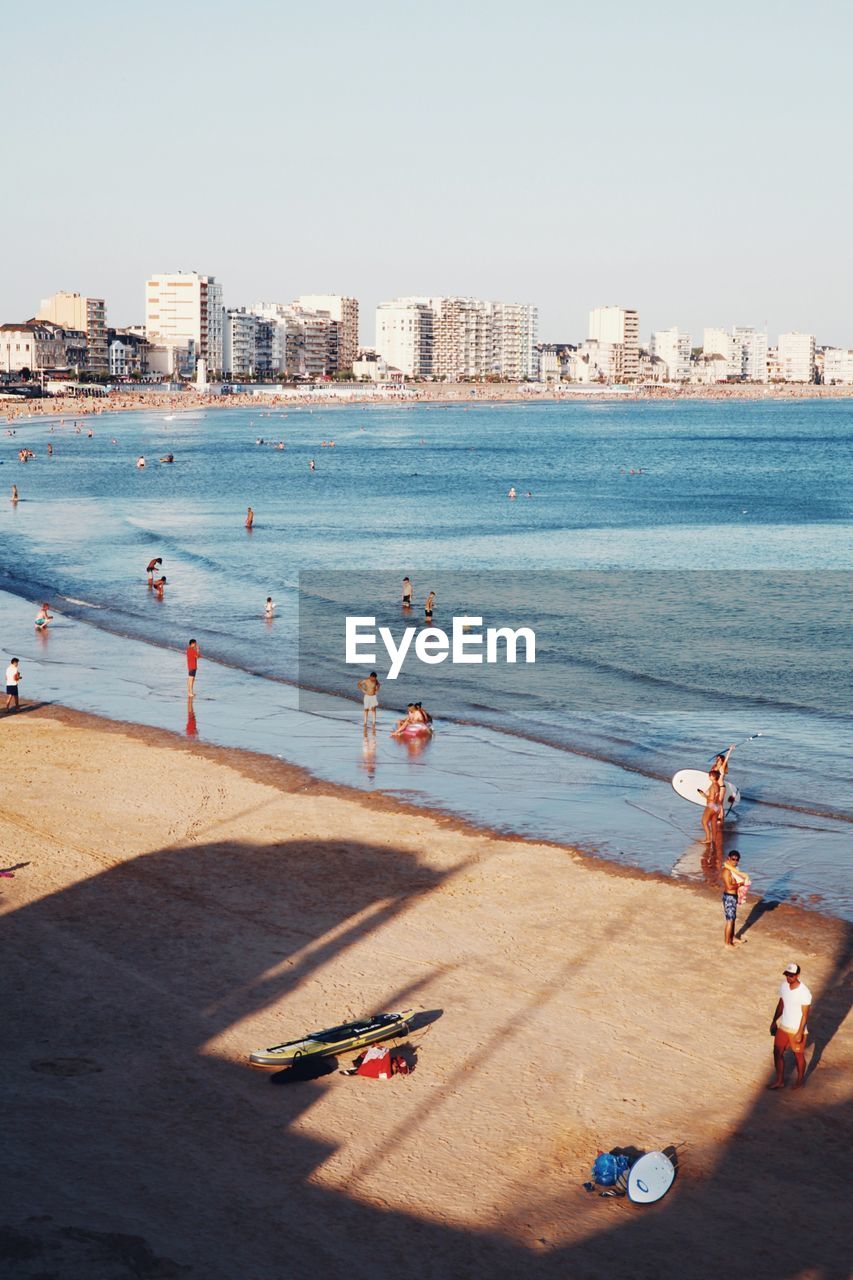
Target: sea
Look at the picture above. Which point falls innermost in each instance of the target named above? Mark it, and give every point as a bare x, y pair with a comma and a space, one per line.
684, 565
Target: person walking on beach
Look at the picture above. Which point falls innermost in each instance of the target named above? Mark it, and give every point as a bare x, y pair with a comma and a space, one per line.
193, 655
369, 686
153, 567
250, 518
789, 1027
13, 679
732, 879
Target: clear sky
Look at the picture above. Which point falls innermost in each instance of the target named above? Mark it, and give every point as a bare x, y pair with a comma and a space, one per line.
692, 160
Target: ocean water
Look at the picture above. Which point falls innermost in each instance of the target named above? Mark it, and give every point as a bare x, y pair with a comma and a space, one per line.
685, 565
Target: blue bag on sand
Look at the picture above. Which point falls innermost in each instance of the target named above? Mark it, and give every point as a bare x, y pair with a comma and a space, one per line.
608, 1169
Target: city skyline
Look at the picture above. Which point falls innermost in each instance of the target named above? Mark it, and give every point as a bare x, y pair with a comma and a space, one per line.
658, 169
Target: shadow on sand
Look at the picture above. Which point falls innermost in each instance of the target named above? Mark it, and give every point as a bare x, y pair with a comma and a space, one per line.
154, 1157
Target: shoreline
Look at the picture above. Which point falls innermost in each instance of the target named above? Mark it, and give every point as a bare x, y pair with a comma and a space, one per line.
444, 395
182, 905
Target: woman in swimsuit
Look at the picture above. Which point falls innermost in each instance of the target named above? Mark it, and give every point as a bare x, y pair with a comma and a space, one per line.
713, 804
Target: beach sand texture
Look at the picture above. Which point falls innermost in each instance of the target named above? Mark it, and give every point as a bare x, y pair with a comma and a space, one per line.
176, 906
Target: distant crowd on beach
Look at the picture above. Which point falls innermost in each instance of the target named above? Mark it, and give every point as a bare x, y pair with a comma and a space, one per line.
127, 398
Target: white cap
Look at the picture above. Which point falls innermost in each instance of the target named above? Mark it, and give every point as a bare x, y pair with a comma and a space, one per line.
791, 968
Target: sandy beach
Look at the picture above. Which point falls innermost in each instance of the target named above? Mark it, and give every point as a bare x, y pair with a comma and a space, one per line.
152, 398
173, 906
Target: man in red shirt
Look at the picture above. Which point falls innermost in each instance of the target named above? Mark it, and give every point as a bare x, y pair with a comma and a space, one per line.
193, 655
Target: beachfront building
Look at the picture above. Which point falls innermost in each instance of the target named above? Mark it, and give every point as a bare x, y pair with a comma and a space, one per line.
31, 345
186, 307
344, 312
619, 328
752, 345
709, 367
247, 344
672, 346
838, 366
72, 311
514, 326
462, 338
404, 335
719, 343
128, 353
303, 343
796, 357
593, 361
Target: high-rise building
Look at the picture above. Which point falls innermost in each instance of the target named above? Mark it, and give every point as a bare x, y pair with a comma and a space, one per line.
462, 338
752, 344
672, 346
89, 315
247, 344
404, 335
303, 343
619, 326
514, 336
796, 356
344, 311
183, 307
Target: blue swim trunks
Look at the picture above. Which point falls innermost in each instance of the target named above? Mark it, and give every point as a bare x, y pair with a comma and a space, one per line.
730, 905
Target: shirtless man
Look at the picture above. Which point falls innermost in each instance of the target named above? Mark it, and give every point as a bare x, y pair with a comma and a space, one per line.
250, 518
153, 567
731, 883
158, 584
407, 594
428, 607
369, 686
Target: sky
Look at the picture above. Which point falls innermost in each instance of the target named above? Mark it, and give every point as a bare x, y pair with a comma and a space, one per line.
689, 160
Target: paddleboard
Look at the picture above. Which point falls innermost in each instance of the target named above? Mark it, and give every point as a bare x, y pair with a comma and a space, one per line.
650, 1178
687, 783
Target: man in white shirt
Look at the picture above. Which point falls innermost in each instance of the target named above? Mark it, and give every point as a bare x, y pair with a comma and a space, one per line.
789, 1027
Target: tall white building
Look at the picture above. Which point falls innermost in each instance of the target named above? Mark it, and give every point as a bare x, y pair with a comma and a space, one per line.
619, 327
514, 326
672, 346
304, 343
344, 311
796, 356
404, 335
752, 344
185, 307
247, 344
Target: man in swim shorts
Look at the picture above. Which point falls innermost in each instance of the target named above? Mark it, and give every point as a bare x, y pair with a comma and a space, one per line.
13, 679
730, 888
193, 655
369, 686
407, 594
153, 567
789, 1027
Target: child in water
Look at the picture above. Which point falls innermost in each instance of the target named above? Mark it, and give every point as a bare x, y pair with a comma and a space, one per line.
44, 617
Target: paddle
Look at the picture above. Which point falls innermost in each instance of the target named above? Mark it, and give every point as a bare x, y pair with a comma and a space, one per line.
742, 743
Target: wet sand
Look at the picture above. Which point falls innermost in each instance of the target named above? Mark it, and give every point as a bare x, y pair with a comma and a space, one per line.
176, 905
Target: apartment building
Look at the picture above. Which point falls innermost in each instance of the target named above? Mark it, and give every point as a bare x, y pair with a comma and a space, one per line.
40, 345
752, 345
838, 366
72, 311
514, 326
303, 343
247, 344
404, 335
672, 346
796, 357
344, 312
128, 353
186, 307
618, 327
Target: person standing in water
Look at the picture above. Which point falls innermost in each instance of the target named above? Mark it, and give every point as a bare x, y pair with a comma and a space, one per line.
407, 594
193, 655
269, 607
369, 686
14, 493
428, 607
158, 584
250, 518
153, 567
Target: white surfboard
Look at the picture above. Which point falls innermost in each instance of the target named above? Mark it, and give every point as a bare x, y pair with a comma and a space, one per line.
688, 783
650, 1178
